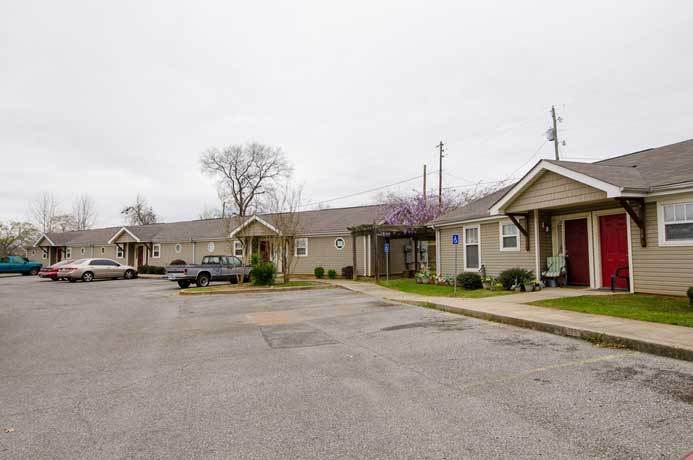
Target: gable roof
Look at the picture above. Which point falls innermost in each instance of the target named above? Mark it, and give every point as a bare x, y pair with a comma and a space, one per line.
324, 221
633, 174
476, 209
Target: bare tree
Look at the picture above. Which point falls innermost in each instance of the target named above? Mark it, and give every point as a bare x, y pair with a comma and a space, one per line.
15, 236
42, 212
245, 172
210, 213
84, 212
284, 203
63, 223
139, 213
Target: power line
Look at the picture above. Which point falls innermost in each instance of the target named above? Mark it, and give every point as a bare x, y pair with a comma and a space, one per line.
369, 190
528, 160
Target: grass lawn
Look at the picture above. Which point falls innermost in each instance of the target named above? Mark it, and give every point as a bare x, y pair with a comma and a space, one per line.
227, 287
409, 285
654, 308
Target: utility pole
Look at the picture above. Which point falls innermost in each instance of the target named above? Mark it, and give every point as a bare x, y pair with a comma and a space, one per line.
424, 185
440, 173
555, 131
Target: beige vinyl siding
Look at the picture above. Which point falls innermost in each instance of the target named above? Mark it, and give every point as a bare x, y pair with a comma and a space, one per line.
492, 257
125, 237
168, 254
552, 190
256, 229
658, 269
35, 255
545, 244
323, 253
397, 259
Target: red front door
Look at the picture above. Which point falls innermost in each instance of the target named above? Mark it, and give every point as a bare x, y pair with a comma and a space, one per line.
140, 256
613, 241
577, 252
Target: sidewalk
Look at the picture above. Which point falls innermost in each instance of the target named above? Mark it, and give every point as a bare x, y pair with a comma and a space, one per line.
657, 338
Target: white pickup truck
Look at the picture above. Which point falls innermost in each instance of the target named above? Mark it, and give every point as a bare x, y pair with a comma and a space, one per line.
212, 268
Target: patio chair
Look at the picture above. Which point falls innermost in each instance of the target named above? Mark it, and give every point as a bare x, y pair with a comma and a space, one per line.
620, 274
556, 270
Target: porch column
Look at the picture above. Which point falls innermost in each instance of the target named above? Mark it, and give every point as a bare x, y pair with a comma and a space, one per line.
537, 255
353, 250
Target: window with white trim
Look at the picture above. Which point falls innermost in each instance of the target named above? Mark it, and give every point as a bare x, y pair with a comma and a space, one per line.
238, 248
301, 247
44, 255
82, 251
156, 251
472, 251
178, 248
68, 253
509, 237
120, 253
677, 222
339, 243
103, 250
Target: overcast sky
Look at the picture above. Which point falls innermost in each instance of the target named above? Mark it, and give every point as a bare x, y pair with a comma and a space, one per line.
118, 98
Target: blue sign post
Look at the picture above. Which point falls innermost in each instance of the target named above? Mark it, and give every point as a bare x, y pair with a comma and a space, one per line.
387, 262
456, 243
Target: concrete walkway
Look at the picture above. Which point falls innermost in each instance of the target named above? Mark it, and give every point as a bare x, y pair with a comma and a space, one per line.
662, 339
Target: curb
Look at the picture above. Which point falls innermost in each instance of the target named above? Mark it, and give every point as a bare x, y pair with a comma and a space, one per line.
147, 276
258, 290
584, 334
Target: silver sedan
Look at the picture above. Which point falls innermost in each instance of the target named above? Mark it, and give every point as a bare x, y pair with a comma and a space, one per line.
91, 269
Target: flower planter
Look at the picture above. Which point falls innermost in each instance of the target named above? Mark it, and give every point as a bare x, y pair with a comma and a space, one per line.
528, 287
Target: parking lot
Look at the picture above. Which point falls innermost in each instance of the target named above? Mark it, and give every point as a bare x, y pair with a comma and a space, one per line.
116, 369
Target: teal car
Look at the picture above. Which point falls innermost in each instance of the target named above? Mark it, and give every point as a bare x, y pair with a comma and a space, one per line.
17, 264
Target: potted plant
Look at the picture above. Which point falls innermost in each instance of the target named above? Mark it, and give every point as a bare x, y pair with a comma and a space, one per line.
423, 277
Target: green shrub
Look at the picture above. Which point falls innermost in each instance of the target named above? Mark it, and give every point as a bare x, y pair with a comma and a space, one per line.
254, 260
319, 272
332, 274
508, 278
263, 274
469, 280
690, 295
143, 269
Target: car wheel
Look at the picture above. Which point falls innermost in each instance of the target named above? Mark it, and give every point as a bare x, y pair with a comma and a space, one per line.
33, 272
87, 277
129, 274
202, 281
183, 284
55, 279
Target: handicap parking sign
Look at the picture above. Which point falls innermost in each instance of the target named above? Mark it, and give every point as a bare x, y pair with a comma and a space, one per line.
455, 239
387, 248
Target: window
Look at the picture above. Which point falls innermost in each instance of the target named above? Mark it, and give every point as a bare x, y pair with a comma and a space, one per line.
68, 253
178, 248
301, 247
676, 224
339, 243
509, 237
44, 255
211, 260
210, 247
103, 250
238, 249
120, 252
156, 251
472, 255
82, 251
234, 261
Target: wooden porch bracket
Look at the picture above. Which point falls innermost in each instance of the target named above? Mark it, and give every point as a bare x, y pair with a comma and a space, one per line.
635, 207
120, 246
150, 247
523, 230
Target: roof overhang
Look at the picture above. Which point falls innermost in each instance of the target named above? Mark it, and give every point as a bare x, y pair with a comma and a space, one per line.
254, 218
42, 237
120, 232
612, 191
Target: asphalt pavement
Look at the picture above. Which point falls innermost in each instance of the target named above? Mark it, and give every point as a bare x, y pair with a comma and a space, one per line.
129, 369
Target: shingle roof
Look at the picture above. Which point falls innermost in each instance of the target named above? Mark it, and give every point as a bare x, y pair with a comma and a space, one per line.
328, 221
661, 166
621, 176
474, 210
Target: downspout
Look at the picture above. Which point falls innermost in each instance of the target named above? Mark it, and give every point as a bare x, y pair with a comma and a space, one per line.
193, 250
